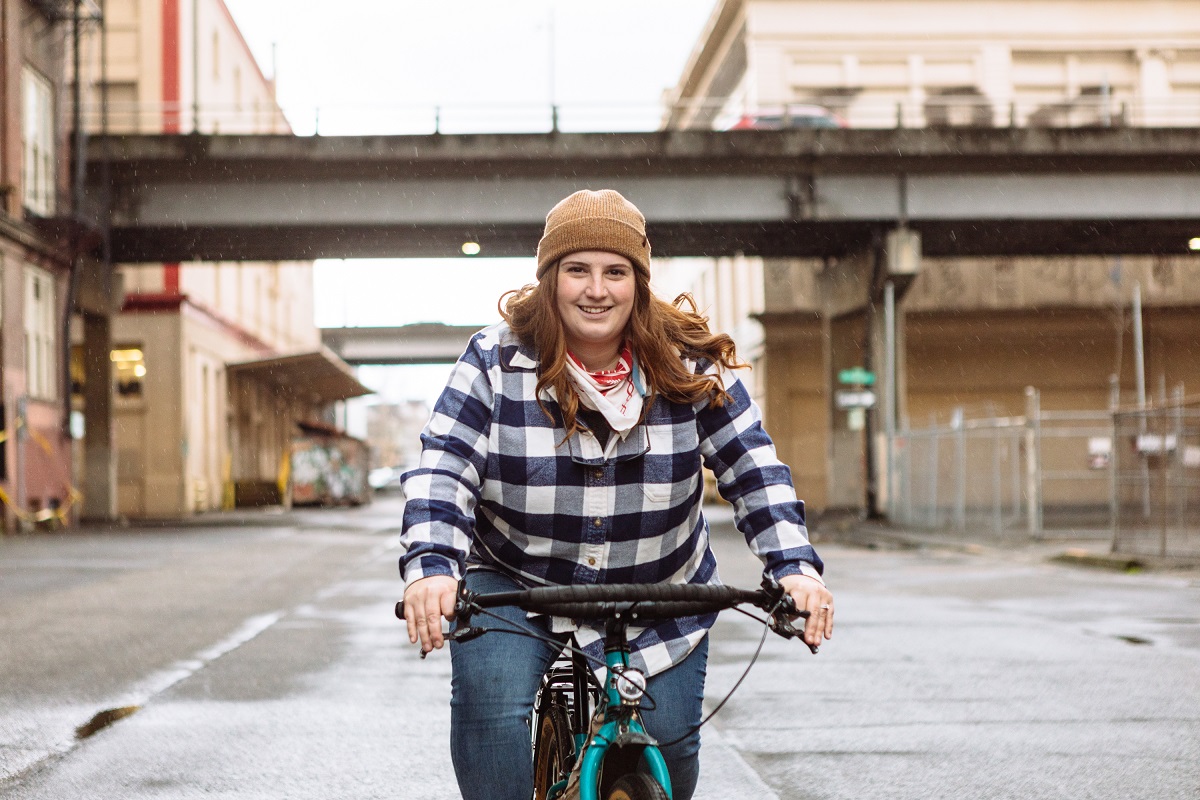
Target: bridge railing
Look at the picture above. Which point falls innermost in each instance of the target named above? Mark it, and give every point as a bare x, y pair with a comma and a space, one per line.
965, 110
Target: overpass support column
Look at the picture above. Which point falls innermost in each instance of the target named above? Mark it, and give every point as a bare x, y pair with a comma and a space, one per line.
100, 463
900, 259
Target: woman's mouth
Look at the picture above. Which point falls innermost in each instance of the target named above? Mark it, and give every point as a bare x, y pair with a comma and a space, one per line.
593, 309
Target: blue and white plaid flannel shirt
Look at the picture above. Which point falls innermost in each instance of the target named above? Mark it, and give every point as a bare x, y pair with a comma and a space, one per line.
498, 486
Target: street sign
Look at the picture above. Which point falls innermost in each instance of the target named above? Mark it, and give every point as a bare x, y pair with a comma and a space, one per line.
857, 375
846, 399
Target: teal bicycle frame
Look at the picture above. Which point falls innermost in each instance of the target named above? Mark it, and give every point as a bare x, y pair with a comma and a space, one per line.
620, 740
622, 725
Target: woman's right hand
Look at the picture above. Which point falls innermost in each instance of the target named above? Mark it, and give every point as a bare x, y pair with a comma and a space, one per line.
426, 602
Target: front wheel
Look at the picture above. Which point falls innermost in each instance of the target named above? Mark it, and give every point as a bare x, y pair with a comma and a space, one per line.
554, 750
636, 786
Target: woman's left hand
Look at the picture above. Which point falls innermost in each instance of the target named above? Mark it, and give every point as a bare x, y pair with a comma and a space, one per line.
810, 595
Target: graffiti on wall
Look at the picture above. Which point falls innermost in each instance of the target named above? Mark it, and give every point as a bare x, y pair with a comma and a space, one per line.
329, 470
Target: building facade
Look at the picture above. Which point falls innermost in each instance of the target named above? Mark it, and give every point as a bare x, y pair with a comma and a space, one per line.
214, 364
972, 333
37, 249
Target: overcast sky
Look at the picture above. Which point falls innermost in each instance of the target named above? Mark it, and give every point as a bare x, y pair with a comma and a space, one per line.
381, 66
360, 61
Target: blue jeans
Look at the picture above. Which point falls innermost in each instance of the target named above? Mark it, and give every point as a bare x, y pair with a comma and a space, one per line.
495, 680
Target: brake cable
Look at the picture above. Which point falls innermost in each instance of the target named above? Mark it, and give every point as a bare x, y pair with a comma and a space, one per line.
761, 641
520, 629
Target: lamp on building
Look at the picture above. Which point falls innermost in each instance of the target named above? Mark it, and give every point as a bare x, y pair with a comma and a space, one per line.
1194, 244
471, 248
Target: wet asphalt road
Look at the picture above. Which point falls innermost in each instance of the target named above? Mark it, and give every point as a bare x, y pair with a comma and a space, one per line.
263, 662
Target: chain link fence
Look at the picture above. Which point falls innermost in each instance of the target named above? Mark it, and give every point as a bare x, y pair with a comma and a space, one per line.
1156, 481
965, 474
1023, 475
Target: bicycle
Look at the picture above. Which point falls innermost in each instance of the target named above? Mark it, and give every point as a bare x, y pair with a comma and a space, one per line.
587, 735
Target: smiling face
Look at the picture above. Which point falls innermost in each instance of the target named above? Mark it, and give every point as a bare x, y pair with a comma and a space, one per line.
595, 295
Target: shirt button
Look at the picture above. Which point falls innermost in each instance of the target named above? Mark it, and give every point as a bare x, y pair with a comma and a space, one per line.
597, 522
597, 474
591, 562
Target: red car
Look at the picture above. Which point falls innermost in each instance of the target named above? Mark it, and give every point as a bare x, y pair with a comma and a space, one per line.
792, 116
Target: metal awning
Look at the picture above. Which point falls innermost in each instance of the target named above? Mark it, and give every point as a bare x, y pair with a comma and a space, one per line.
319, 377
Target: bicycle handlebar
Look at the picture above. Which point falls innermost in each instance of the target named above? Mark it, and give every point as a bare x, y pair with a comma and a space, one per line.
638, 601
653, 601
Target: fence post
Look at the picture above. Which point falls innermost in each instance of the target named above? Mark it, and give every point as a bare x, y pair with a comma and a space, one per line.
960, 456
889, 396
1174, 480
1114, 458
1014, 444
1033, 478
997, 502
933, 474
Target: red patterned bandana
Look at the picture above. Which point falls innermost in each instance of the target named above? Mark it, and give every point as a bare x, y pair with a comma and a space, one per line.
608, 379
609, 391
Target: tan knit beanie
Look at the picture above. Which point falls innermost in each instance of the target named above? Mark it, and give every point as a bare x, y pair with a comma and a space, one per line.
588, 220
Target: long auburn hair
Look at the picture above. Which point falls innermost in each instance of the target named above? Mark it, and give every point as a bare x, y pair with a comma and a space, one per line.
658, 333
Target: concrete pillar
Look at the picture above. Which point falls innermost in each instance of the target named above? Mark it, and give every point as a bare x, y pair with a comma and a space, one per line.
995, 80
877, 468
846, 292
1154, 87
100, 462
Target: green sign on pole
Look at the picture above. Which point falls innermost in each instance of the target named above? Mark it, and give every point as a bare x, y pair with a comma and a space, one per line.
856, 375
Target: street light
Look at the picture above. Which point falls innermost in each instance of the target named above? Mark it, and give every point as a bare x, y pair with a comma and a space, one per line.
1194, 243
471, 248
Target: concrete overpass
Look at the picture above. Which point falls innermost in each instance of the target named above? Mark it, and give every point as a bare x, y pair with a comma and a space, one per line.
422, 343
968, 191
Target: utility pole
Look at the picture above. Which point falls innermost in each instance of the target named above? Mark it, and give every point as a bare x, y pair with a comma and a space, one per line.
195, 66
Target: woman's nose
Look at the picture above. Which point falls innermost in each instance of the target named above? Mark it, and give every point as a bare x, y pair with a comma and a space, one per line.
595, 286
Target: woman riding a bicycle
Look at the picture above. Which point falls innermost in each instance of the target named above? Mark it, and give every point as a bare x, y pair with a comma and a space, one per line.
567, 448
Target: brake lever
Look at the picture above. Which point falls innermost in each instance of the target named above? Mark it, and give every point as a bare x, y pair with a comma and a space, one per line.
461, 634
463, 608
780, 619
783, 626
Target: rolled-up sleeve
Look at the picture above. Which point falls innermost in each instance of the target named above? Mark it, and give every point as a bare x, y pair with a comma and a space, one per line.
750, 475
442, 492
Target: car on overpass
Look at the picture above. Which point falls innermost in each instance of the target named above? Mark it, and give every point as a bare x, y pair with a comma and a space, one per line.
795, 115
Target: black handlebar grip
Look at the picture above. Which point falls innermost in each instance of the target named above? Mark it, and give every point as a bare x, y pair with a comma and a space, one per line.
584, 593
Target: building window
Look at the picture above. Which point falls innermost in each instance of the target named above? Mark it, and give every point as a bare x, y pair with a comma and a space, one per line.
37, 143
129, 370
41, 334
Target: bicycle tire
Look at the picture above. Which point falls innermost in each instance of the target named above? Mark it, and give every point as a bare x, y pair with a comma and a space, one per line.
553, 751
636, 786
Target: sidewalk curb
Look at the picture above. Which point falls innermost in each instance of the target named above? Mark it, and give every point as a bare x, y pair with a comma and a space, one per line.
1111, 561
880, 537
